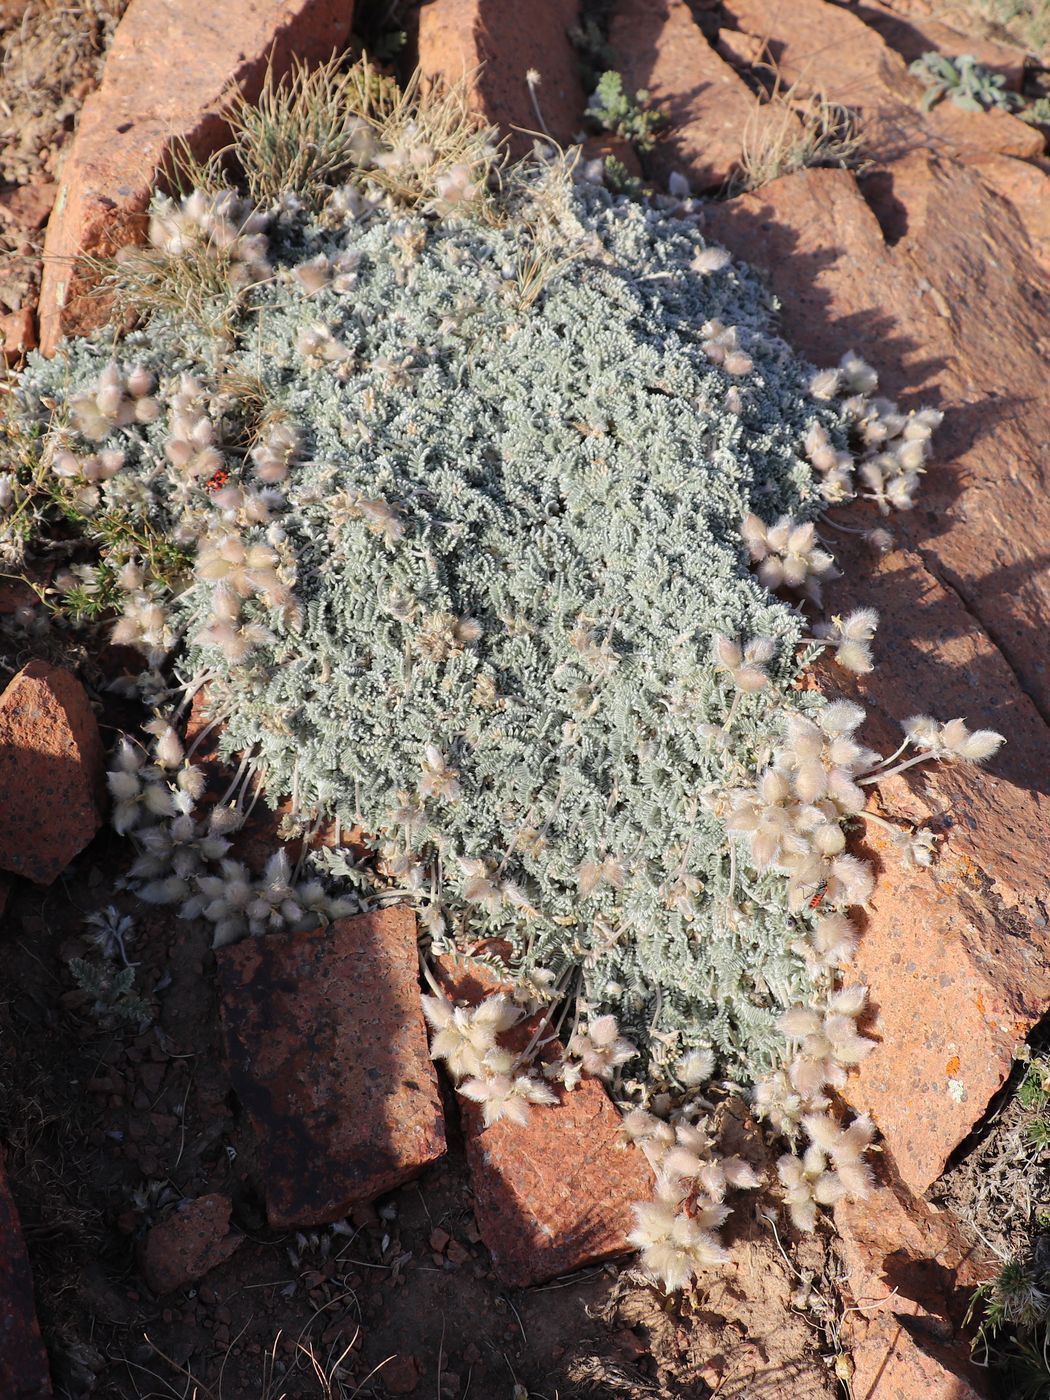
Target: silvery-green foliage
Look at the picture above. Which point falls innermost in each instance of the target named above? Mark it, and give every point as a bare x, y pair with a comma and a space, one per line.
969, 84
512, 531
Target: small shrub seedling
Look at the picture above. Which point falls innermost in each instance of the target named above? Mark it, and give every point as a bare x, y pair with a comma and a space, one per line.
615, 110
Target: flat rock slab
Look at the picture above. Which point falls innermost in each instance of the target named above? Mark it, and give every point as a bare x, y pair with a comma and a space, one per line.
194, 1239
659, 47
555, 1195
913, 35
327, 1051
146, 106
937, 251
51, 772
24, 1372
1025, 186
956, 979
828, 48
494, 44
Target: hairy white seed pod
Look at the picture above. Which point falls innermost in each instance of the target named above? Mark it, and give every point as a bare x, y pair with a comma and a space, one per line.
710, 260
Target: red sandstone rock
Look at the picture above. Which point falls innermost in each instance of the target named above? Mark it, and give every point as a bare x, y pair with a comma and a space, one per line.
828, 48
895, 1362
28, 205
494, 45
194, 1239
328, 1053
24, 1373
973, 973
946, 1017
914, 35
1025, 186
911, 1273
555, 1195
740, 49
956, 981
146, 106
17, 334
51, 765
964, 17
660, 47
401, 1375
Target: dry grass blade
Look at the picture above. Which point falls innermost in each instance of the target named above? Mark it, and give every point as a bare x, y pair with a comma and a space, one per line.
187, 172
252, 410
792, 130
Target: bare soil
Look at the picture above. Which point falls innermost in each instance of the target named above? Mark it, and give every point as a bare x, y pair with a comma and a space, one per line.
51, 56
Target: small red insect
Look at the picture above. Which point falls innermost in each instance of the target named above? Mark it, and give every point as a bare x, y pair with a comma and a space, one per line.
818, 897
217, 481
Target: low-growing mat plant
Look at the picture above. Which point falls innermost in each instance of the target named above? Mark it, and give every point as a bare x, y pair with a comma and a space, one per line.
501, 503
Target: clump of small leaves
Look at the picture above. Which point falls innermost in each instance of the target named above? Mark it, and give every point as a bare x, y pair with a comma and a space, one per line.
1013, 1314
1015, 1297
614, 109
964, 81
106, 978
111, 993
620, 180
1034, 1090
1033, 1094
1036, 112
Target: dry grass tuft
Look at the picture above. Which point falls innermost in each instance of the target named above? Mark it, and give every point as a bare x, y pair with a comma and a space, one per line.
423, 144
795, 128
306, 132
196, 283
434, 149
